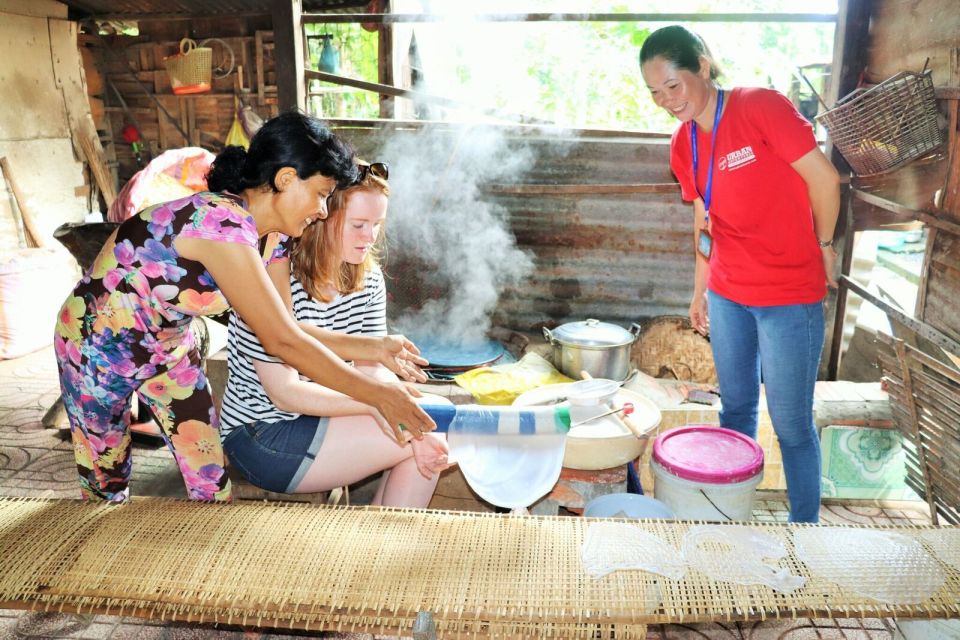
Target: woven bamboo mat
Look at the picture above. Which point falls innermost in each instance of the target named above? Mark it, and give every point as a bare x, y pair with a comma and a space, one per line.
313, 567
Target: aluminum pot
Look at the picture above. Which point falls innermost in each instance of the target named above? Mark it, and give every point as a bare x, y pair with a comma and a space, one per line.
599, 348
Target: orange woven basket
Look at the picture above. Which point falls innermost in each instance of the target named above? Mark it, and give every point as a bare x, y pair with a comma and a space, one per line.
190, 70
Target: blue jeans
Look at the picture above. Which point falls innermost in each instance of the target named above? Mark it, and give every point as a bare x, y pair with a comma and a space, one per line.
784, 342
276, 455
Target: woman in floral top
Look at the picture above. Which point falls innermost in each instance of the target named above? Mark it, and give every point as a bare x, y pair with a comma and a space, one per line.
125, 327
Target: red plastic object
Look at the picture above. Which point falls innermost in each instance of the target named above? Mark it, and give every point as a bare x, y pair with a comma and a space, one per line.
130, 134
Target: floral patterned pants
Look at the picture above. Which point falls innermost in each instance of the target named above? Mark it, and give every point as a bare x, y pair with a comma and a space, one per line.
179, 398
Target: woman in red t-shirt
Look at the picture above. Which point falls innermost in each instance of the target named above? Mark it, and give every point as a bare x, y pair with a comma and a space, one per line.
765, 202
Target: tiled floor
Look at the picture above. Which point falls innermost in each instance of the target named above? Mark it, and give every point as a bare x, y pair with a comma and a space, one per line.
37, 462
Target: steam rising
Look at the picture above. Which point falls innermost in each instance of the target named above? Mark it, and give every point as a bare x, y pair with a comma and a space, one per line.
438, 216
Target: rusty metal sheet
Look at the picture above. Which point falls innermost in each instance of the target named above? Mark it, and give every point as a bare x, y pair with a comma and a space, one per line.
615, 257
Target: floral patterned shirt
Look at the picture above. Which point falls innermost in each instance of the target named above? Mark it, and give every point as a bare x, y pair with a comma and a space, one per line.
133, 309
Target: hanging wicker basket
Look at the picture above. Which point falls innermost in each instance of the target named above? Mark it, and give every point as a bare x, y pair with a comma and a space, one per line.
190, 70
882, 128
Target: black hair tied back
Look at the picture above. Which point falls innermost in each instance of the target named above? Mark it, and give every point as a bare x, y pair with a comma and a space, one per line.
679, 46
292, 139
226, 172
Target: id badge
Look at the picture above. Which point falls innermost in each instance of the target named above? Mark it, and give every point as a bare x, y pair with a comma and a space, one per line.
704, 243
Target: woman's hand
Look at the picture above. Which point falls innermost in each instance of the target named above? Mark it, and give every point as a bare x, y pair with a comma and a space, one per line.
431, 455
698, 314
402, 357
398, 406
829, 264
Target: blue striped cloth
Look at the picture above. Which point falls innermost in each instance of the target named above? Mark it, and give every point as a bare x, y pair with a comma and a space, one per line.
493, 420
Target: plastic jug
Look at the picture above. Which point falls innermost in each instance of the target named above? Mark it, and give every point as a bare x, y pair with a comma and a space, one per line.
329, 56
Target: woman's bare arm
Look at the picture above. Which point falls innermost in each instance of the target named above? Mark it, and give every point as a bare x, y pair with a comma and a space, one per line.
823, 186
395, 352
239, 273
289, 392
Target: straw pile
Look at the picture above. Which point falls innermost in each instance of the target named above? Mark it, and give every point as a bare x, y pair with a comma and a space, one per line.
366, 569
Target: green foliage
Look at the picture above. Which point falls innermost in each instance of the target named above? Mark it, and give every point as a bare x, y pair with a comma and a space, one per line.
579, 74
358, 59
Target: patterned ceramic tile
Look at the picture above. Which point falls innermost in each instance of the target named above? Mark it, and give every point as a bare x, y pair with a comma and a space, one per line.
863, 463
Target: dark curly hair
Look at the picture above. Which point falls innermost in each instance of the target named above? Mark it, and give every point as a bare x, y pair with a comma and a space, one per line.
292, 139
680, 46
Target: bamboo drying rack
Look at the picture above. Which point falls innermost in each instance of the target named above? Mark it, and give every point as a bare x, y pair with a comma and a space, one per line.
313, 567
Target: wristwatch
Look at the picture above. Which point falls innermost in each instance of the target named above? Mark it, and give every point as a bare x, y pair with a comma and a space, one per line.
825, 243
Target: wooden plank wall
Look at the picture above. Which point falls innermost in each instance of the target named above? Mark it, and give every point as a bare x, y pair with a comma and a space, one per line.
135, 67
903, 34
599, 250
35, 132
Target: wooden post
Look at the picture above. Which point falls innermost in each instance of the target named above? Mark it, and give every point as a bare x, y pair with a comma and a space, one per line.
288, 54
29, 225
385, 64
902, 356
849, 59
834, 326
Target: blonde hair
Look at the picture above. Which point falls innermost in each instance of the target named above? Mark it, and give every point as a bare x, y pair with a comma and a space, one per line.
317, 257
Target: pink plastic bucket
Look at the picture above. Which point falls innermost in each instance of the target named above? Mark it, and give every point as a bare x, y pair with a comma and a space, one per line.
707, 472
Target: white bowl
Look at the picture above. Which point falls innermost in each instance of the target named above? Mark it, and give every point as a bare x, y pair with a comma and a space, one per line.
596, 391
630, 505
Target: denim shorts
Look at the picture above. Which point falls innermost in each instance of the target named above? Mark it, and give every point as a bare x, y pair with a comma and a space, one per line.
276, 455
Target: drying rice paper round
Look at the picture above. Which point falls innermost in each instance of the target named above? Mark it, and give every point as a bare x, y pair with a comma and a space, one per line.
884, 565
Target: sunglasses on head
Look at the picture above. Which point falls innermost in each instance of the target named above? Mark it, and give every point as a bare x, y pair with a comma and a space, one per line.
379, 169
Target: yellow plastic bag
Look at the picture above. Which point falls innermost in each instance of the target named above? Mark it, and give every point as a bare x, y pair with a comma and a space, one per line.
237, 136
502, 383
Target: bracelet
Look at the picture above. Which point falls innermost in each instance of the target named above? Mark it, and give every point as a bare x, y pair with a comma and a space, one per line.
825, 243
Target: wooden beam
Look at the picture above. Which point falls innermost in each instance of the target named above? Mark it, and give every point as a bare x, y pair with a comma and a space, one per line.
581, 189
923, 216
921, 450
36, 8
921, 328
386, 90
136, 16
388, 18
835, 327
288, 54
513, 129
850, 41
32, 232
385, 66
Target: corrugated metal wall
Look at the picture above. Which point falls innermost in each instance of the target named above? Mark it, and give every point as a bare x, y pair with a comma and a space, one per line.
619, 257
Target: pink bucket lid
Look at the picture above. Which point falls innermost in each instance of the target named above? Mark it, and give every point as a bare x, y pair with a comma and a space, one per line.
705, 453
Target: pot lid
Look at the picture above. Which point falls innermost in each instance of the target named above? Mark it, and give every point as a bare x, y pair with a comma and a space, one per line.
708, 453
593, 333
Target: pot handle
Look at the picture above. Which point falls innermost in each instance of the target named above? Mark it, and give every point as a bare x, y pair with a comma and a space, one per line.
549, 336
635, 330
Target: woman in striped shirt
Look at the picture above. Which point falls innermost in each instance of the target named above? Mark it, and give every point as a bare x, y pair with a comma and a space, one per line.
291, 435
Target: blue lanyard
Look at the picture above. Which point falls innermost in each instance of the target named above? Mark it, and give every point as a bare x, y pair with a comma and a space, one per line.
713, 152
